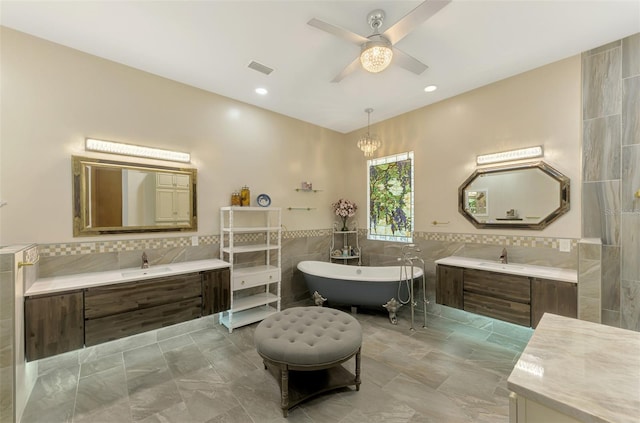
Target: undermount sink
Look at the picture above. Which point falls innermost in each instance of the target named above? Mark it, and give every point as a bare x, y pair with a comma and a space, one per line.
503, 266
148, 271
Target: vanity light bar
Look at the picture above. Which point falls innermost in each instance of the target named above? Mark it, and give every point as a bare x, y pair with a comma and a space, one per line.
505, 156
136, 150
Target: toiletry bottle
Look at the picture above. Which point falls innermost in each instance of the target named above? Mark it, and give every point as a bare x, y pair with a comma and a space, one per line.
245, 196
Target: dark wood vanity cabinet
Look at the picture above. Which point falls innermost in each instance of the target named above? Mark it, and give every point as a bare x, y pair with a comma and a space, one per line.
499, 295
53, 324
216, 291
70, 320
449, 286
119, 310
512, 298
555, 297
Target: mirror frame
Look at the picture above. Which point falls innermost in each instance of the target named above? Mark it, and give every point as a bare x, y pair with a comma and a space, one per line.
564, 194
79, 197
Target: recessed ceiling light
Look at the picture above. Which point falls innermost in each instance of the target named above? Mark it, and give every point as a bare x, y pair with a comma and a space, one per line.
261, 91
430, 88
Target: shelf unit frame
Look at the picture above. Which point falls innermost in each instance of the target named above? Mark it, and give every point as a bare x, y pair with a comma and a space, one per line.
345, 244
247, 309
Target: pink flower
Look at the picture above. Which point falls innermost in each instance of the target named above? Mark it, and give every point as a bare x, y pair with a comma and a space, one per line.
344, 208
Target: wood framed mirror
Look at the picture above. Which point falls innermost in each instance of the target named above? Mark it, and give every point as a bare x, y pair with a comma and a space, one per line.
112, 197
524, 196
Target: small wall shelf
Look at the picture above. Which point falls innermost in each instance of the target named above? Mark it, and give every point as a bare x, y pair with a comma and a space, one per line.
301, 208
307, 190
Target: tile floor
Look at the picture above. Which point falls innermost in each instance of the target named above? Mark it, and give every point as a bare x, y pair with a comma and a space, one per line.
453, 371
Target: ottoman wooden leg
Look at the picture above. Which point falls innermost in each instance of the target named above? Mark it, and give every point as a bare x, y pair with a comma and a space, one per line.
284, 375
358, 369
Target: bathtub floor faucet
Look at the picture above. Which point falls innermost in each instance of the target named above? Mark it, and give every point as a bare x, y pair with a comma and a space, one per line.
409, 257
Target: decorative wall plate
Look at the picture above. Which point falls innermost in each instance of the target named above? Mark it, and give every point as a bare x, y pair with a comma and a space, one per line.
263, 200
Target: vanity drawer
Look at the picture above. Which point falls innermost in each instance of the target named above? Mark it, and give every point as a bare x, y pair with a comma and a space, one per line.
499, 285
107, 300
242, 280
138, 321
509, 311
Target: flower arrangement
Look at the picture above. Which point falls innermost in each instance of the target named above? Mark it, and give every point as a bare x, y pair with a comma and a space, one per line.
344, 209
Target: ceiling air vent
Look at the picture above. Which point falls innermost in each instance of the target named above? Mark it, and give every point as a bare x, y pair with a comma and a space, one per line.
260, 67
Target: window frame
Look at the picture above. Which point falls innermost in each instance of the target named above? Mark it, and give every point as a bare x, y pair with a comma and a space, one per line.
394, 158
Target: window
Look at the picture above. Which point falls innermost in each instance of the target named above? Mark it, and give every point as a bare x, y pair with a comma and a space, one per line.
390, 198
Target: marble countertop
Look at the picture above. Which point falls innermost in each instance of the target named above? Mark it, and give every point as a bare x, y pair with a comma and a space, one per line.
544, 272
585, 370
86, 280
10, 249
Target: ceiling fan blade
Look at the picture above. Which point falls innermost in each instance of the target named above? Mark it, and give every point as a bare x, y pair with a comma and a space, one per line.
413, 19
337, 31
410, 63
351, 67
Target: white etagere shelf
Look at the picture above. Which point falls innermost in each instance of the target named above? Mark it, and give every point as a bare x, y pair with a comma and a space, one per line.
353, 249
255, 289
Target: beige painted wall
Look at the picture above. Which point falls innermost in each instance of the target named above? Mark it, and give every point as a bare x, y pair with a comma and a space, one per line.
53, 97
539, 107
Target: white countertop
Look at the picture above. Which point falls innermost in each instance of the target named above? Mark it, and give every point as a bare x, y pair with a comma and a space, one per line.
585, 370
11, 249
86, 280
544, 272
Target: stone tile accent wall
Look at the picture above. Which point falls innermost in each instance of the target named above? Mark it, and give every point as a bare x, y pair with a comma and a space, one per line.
71, 258
589, 275
611, 175
7, 346
16, 382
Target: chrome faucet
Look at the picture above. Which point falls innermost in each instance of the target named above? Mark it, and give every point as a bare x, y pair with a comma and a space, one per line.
145, 261
503, 256
407, 249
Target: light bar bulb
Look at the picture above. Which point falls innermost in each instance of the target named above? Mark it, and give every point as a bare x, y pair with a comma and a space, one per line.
136, 150
506, 156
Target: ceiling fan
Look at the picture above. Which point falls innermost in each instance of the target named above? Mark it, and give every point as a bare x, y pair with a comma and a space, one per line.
377, 49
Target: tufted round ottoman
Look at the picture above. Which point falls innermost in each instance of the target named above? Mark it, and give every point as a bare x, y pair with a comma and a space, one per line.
314, 340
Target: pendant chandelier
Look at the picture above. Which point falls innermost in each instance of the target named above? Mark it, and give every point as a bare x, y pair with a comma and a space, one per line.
369, 143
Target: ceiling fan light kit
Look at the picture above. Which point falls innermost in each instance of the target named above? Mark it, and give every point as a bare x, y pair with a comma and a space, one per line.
376, 55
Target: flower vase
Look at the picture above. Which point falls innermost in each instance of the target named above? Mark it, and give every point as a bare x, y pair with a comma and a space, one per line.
344, 225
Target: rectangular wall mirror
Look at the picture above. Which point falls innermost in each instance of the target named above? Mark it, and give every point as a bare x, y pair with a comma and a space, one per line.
111, 197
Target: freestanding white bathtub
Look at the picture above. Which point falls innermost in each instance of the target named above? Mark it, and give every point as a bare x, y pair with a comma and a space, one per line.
356, 285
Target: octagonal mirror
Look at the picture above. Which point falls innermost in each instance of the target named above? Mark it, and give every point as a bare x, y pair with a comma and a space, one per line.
524, 196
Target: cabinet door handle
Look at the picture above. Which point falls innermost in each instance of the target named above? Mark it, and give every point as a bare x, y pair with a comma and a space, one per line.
242, 283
